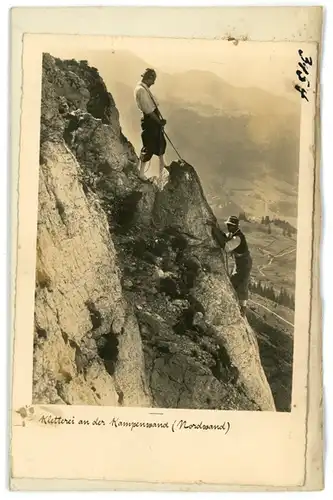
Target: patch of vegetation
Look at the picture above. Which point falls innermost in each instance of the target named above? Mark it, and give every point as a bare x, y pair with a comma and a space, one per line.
281, 297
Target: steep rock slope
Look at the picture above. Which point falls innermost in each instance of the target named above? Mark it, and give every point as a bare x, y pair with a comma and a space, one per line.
87, 342
133, 304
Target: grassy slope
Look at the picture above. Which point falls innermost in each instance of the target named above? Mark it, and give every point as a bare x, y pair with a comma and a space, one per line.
279, 271
261, 305
275, 340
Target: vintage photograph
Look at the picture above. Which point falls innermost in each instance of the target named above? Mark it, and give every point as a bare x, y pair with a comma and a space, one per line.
167, 224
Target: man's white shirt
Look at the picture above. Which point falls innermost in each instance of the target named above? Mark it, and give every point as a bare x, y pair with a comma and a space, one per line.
143, 99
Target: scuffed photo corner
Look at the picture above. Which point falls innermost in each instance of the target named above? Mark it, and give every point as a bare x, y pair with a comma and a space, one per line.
166, 295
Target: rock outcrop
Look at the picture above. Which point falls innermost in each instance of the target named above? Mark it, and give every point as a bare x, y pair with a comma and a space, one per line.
133, 303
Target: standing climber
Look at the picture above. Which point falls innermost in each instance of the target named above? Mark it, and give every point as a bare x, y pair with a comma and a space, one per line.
236, 245
153, 140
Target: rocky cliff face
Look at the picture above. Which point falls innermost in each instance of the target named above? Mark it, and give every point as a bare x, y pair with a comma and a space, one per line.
133, 303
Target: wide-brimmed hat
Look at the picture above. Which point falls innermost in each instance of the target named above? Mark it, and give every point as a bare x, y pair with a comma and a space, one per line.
233, 220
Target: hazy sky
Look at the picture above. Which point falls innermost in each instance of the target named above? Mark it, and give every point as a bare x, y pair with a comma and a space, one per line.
268, 65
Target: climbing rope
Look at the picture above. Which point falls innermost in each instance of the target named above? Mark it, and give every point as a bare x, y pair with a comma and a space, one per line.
168, 139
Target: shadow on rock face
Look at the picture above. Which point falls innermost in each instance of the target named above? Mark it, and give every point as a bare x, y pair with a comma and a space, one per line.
182, 203
107, 348
126, 210
170, 287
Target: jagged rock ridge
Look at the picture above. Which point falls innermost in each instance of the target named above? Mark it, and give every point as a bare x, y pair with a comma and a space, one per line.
133, 303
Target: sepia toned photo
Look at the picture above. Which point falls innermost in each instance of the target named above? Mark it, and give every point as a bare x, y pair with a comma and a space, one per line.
167, 249
167, 225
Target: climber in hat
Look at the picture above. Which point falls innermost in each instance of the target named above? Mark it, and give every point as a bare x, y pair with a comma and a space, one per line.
153, 140
237, 246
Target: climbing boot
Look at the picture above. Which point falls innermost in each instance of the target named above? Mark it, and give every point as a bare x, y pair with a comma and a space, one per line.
243, 310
